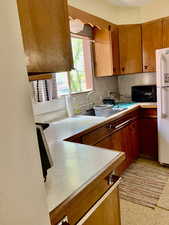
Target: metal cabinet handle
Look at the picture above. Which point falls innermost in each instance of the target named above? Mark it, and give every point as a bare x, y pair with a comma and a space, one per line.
110, 126
122, 124
64, 221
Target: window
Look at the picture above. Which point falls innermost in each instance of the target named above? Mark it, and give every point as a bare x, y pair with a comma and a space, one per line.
81, 78
78, 80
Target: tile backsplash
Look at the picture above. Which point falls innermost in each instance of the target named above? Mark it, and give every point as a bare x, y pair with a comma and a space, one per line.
56, 110
120, 87
125, 83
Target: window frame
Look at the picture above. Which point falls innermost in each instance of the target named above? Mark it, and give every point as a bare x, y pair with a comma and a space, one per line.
91, 70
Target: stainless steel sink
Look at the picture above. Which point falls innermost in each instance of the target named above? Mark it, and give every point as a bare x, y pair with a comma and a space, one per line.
113, 111
118, 109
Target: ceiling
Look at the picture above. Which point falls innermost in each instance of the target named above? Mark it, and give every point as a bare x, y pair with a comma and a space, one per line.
129, 3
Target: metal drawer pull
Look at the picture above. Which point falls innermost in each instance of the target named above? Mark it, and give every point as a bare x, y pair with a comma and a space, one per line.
99, 202
122, 124
64, 221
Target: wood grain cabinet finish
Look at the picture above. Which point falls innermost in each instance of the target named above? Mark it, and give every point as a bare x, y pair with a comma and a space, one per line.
108, 212
46, 35
152, 33
148, 134
106, 52
166, 32
130, 49
103, 52
115, 51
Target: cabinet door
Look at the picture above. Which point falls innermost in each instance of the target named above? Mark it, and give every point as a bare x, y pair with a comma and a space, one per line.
113, 141
133, 139
103, 53
149, 140
166, 32
151, 40
130, 49
108, 212
46, 35
115, 50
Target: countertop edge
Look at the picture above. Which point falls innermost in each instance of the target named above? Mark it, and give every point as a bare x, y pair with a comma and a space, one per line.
118, 159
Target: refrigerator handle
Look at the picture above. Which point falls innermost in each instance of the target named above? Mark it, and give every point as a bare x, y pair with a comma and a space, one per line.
163, 104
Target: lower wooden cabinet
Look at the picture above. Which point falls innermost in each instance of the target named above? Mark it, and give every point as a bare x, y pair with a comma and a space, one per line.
135, 134
125, 139
148, 134
108, 213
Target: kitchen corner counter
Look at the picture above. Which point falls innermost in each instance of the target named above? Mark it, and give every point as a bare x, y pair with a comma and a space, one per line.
75, 166
64, 129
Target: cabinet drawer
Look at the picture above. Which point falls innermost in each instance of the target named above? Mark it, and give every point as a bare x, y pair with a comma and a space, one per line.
79, 203
95, 136
82, 205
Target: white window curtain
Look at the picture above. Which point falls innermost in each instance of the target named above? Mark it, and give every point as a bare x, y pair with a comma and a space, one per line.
44, 90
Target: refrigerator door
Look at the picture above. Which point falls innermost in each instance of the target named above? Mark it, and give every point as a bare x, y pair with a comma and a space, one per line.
163, 124
163, 104
162, 64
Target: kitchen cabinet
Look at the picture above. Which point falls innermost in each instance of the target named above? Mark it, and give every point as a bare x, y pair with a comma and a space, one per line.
125, 138
108, 213
106, 52
115, 51
166, 32
135, 134
152, 33
103, 53
130, 49
46, 35
148, 134
102, 205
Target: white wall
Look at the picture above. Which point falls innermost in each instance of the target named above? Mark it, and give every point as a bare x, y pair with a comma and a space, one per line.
154, 10
105, 10
22, 194
123, 15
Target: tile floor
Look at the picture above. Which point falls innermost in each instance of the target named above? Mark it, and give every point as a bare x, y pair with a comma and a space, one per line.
133, 214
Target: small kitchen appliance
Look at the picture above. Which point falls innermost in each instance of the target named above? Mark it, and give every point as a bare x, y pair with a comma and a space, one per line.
144, 93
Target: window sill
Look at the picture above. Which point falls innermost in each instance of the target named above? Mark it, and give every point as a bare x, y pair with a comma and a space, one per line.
77, 93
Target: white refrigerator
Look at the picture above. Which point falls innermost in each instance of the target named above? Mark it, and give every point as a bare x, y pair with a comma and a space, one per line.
162, 63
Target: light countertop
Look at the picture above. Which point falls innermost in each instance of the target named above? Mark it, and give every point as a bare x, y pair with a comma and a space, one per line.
75, 166
66, 128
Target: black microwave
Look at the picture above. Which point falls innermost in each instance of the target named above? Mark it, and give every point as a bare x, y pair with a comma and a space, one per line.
144, 93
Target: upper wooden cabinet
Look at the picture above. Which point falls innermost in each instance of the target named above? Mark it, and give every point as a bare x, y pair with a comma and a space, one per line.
115, 47
166, 32
130, 49
152, 33
103, 53
46, 35
106, 52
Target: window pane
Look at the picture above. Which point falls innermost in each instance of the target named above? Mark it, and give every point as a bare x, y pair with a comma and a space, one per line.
77, 76
62, 83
